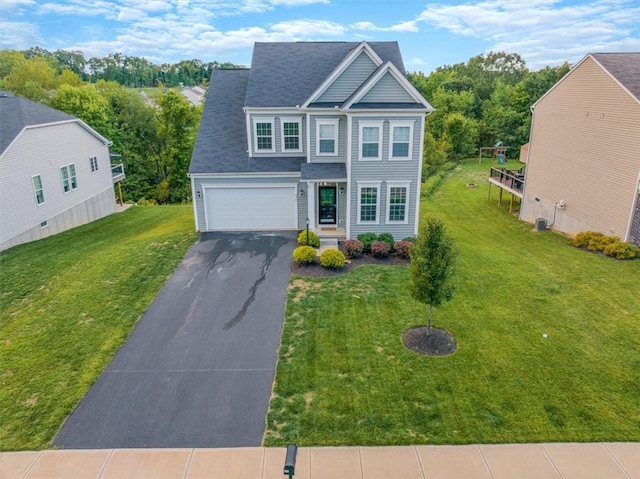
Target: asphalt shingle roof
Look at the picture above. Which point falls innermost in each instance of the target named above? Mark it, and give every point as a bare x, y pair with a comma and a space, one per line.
625, 67
17, 112
324, 171
286, 74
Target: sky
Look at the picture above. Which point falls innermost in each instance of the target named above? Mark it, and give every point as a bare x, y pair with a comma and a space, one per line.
430, 34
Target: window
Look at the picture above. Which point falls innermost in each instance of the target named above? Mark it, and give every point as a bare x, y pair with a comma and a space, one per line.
370, 140
37, 187
397, 197
94, 164
327, 132
291, 131
401, 136
368, 203
264, 136
69, 180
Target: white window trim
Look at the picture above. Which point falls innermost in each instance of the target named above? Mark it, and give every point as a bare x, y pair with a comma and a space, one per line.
336, 123
257, 120
93, 161
392, 125
35, 191
295, 119
370, 123
368, 184
398, 184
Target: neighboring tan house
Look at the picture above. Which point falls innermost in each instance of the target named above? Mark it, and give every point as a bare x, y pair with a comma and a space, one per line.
55, 172
328, 132
583, 166
195, 95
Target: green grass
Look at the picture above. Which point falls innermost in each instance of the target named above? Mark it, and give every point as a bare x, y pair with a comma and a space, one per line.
344, 377
67, 304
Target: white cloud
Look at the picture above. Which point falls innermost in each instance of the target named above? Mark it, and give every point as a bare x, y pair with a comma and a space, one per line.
19, 35
541, 31
308, 29
408, 26
295, 3
15, 6
89, 8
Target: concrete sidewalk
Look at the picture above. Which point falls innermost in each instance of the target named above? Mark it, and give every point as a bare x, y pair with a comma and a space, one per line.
514, 461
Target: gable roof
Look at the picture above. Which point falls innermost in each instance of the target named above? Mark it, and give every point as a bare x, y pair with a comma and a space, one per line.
287, 74
624, 67
16, 113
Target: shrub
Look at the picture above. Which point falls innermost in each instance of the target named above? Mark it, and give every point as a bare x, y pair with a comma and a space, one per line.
609, 245
582, 239
410, 239
353, 248
145, 202
380, 249
367, 239
387, 238
314, 239
622, 250
304, 254
332, 258
402, 248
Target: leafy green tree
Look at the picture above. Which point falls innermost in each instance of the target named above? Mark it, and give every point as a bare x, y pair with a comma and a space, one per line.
86, 103
432, 266
8, 60
33, 78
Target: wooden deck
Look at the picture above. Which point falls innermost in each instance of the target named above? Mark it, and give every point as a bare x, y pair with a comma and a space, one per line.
511, 181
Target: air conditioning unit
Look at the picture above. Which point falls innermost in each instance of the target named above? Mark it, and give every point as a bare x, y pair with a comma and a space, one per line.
541, 224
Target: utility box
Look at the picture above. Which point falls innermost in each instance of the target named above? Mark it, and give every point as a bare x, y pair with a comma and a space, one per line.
541, 224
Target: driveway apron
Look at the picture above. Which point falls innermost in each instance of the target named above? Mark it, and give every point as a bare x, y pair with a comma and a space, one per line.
198, 368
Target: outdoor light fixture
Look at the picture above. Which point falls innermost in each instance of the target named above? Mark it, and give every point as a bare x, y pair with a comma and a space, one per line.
307, 221
198, 194
342, 190
301, 193
290, 460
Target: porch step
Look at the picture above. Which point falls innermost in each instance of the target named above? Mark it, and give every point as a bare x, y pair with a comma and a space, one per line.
327, 243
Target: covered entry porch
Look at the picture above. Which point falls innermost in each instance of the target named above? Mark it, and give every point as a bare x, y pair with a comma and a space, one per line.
326, 198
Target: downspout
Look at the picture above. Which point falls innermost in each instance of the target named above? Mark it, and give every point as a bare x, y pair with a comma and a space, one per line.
348, 192
634, 206
527, 164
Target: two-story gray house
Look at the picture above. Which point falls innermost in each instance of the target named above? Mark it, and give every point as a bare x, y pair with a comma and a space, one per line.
329, 133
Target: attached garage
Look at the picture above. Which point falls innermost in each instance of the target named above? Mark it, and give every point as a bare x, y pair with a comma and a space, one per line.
251, 207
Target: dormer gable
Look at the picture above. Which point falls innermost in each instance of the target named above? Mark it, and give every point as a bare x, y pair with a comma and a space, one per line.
386, 86
356, 67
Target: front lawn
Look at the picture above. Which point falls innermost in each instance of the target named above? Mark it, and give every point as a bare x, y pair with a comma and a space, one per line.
68, 302
345, 378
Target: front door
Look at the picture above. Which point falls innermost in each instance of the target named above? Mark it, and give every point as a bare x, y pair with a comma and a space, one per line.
327, 212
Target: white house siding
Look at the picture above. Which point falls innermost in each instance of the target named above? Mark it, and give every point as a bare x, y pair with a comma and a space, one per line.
387, 90
277, 137
585, 151
342, 139
385, 171
350, 80
42, 151
202, 183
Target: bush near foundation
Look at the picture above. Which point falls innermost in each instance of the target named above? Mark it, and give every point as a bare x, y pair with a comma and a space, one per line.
332, 258
304, 255
380, 249
353, 248
314, 239
608, 245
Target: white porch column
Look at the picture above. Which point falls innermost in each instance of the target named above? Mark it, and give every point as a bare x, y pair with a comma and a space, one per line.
311, 204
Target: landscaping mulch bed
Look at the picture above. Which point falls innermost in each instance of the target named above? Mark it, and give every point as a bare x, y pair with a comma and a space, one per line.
439, 342
315, 270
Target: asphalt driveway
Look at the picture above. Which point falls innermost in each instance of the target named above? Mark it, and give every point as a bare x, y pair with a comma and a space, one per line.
198, 368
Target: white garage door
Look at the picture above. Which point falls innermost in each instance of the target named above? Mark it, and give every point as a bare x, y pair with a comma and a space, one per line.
251, 208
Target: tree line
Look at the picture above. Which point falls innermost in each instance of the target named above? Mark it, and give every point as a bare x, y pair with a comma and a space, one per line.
477, 103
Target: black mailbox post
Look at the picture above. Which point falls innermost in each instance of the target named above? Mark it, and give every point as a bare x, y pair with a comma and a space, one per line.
290, 460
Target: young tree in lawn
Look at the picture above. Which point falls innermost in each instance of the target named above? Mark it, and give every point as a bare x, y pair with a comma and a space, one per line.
433, 258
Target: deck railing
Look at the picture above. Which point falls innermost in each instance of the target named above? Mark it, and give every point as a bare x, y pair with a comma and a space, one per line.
513, 179
117, 172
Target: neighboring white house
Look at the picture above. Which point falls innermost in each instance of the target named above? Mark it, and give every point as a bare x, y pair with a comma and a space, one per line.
583, 164
327, 134
195, 95
55, 172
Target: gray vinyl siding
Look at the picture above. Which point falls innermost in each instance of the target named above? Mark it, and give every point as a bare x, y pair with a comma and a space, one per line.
342, 139
200, 183
277, 137
303, 206
350, 80
384, 171
387, 90
42, 151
